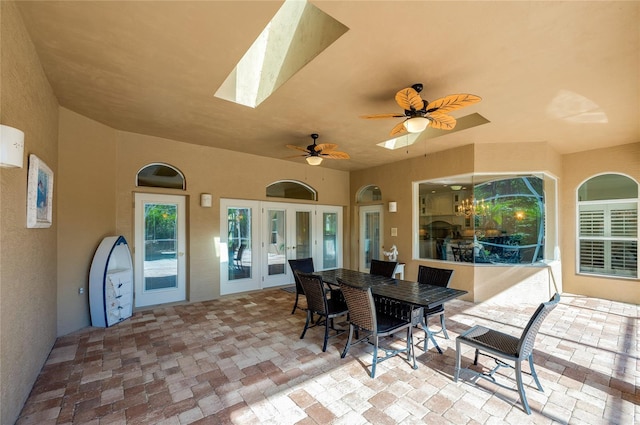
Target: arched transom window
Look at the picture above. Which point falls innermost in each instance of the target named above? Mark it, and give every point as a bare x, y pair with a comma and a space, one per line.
160, 175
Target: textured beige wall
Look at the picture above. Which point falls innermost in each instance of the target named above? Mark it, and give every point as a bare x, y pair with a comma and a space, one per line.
579, 167
224, 174
86, 209
27, 256
98, 169
395, 181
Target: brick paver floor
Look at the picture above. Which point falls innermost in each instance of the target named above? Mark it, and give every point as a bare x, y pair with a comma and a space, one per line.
239, 360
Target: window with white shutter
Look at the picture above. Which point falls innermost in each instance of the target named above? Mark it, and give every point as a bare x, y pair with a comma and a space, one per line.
608, 228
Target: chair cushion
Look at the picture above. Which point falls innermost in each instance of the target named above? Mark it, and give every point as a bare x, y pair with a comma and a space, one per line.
481, 337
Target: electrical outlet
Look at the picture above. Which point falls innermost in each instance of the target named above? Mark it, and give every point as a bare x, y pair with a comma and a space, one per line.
80, 290
394, 231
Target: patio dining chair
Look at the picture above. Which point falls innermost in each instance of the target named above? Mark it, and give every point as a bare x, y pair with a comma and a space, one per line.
364, 318
318, 303
500, 345
438, 277
304, 265
383, 268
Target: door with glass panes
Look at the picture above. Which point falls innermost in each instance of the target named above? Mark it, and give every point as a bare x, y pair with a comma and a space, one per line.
371, 238
260, 237
288, 234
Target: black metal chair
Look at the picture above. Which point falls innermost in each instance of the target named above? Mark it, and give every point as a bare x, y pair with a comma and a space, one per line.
363, 317
304, 265
318, 303
438, 277
502, 345
383, 268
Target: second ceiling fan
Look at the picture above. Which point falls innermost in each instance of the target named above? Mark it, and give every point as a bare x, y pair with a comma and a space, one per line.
419, 113
315, 153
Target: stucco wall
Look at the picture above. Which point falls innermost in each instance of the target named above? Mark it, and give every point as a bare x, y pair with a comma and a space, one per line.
86, 210
581, 166
395, 182
222, 173
97, 178
27, 256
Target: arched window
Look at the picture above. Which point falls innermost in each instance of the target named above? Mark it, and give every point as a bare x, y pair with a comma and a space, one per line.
369, 193
160, 175
291, 189
608, 226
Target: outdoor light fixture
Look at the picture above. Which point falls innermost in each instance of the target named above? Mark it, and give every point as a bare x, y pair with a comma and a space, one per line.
205, 200
416, 124
393, 207
11, 146
314, 160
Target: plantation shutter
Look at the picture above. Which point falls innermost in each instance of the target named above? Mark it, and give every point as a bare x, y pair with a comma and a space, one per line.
608, 236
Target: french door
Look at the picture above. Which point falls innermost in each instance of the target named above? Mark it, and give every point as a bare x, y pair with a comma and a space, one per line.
371, 237
288, 234
160, 241
262, 236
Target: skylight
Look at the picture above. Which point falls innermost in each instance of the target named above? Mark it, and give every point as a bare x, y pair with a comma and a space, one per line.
298, 32
400, 142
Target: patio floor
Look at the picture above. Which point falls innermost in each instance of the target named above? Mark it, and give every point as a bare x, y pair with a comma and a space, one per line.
239, 360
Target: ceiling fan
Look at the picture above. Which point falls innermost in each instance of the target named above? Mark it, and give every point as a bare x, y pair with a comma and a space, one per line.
419, 113
315, 153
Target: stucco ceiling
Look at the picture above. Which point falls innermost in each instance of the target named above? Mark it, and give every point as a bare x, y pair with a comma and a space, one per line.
566, 73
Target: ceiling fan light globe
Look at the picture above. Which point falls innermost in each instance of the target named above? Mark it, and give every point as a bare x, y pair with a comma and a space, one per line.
416, 124
314, 160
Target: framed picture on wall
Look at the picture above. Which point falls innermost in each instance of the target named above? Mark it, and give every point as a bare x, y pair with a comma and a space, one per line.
39, 194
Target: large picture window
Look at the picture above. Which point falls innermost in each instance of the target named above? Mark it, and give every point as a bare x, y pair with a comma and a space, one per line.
482, 219
608, 226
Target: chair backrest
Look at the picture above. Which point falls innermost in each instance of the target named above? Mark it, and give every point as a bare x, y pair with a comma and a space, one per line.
304, 265
383, 268
240, 251
457, 254
528, 338
362, 309
434, 276
314, 291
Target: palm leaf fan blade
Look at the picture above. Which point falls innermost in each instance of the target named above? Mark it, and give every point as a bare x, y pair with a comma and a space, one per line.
409, 99
298, 148
452, 102
381, 116
398, 129
442, 121
336, 155
325, 147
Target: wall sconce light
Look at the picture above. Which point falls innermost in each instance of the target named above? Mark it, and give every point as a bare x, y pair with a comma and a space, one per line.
393, 206
11, 147
205, 200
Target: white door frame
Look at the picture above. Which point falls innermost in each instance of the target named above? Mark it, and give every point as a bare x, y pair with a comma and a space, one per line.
290, 243
254, 280
143, 297
260, 278
363, 210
